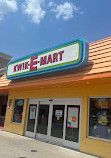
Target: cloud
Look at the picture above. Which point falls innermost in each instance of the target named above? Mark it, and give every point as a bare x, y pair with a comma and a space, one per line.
65, 11
7, 6
51, 4
33, 8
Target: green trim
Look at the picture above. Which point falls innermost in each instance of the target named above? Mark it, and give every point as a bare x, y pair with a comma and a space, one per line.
57, 65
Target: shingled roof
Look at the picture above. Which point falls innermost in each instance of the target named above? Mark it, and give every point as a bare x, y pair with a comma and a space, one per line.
98, 66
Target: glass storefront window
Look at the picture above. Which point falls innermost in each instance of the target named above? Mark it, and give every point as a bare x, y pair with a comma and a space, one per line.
18, 110
100, 118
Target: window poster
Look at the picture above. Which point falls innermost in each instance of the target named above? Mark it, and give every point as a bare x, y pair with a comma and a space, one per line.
32, 112
73, 116
18, 110
100, 118
58, 113
20, 102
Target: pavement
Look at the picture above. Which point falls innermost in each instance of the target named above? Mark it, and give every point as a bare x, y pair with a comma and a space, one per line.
16, 146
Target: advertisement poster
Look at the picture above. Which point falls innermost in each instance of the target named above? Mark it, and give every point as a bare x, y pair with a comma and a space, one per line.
20, 102
32, 112
73, 116
103, 103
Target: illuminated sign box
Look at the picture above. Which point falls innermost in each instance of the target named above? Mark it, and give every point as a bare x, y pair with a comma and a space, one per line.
67, 56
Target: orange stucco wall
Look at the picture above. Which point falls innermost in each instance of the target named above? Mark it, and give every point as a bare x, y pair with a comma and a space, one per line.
96, 147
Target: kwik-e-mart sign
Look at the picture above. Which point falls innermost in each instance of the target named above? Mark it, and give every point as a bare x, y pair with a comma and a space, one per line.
64, 57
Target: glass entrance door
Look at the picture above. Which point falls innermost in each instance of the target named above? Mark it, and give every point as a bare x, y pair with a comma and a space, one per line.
50, 121
72, 126
43, 121
65, 123
56, 121
31, 118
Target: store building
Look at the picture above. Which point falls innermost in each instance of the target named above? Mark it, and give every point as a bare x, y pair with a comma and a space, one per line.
4, 59
71, 107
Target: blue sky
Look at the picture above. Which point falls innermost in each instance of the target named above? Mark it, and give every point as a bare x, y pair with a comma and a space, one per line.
28, 26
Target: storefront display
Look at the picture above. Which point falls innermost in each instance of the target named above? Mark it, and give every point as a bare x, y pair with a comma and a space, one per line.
100, 118
18, 110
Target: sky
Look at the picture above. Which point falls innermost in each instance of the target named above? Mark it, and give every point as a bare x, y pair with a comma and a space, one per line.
29, 26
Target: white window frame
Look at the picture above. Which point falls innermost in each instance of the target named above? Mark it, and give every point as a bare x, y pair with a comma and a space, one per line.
92, 137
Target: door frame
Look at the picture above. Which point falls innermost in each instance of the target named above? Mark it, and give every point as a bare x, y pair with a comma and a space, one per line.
48, 137
28, 133
60, 141
39, 136
55, 140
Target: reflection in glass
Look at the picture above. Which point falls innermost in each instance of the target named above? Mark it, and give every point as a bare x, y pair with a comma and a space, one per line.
43, 119
57, 121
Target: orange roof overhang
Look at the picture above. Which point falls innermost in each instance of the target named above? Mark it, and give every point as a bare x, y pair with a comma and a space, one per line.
97, 71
